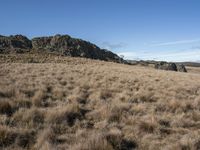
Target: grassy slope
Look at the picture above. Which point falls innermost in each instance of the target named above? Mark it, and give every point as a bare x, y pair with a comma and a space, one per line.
88, 104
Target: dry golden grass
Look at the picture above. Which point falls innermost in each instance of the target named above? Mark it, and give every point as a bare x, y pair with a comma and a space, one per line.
83, 104
193, 69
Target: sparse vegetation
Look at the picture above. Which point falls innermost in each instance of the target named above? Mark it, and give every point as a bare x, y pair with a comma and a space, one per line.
76, 103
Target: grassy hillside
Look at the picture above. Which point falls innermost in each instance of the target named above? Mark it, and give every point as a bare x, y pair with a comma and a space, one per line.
82, 104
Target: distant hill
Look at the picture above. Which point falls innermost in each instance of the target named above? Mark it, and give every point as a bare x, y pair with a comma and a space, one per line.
191, 64
59, 44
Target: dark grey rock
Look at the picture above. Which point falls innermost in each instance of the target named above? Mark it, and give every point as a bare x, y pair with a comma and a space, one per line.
17, 41
166, 66
181, 68
170, 66
16, 44
68, 46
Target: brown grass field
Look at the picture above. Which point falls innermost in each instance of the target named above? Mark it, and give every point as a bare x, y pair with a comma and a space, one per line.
56, 103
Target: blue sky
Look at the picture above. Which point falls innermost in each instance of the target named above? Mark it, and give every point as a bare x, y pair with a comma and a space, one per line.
138, 29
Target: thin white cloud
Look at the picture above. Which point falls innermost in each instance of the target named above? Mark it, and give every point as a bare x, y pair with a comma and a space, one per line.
176, 42
111, 46
195, 47
188, 55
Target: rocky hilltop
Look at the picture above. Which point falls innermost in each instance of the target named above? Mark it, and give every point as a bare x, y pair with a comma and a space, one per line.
62, 44
14, 42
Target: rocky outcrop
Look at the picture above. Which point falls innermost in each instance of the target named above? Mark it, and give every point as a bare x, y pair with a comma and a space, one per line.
181, 68
14, 42
66, 45
170, 66
61, 44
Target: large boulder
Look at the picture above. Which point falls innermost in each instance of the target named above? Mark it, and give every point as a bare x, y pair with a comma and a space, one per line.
181, 68
66, 45
166, 66
170, 66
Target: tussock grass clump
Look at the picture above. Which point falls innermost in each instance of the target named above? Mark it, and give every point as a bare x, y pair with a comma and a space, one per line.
148, 125
116, 139
6, 107
20, 138
45, 137
58, 93
7, 93
7, 136
142, 97
111, 140
189, 141
94, 141
118, 112
25, 139
22, 103
39, 98
80, 98
67, 114
29, 117
105, 94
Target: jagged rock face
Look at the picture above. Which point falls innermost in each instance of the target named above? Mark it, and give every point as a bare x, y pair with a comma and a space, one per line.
73, 47
170, 66
181, 68
61, 44
17, 41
